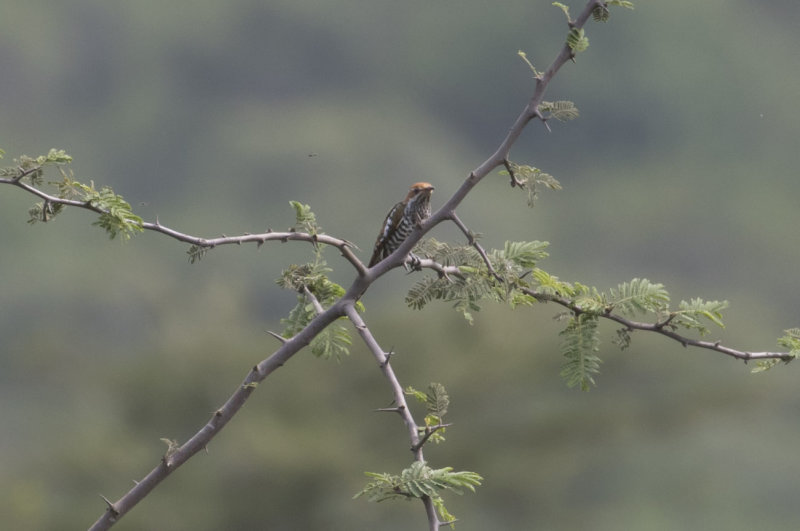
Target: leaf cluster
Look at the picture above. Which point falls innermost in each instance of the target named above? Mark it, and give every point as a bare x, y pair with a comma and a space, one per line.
116, 216
474, 283
418, 481
523, 284
32, 168
580, 339
532, 179
313, 287
305, 219
790, 340
436, 401
576, 38
311, 282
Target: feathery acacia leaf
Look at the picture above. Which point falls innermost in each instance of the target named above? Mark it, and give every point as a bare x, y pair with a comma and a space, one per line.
305, 219
117, 218
525, 254
790, 340
577, 40
464, 292
638, 296
690, 315
601, 13
560, 110
436, 401
532, 179
579, 345
332, 342
417, 481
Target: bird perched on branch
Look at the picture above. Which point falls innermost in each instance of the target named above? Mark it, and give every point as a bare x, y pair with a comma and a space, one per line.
401, 220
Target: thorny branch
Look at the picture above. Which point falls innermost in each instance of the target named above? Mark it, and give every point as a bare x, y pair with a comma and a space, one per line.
661, 327
344, 246
399, 399
664, 329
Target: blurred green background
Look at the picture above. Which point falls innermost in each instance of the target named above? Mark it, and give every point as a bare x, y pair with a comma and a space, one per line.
681, 169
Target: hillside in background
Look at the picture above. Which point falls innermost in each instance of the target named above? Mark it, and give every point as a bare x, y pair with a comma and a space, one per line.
212, 116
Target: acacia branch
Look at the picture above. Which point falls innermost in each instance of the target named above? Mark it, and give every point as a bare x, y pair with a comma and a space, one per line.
399, 398
343, 245
664, 329
174, 459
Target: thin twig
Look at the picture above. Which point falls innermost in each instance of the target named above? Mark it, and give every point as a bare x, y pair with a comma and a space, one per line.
478, 247
513, 176
428, 433
314, 301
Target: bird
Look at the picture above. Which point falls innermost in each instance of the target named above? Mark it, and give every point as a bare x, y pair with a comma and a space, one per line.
401, 220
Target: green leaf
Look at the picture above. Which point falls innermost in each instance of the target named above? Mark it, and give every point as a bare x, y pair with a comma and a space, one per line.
524, 57
305, 219
464, 292
417, 481
333, 342
550, 284
690, 315
620, 3
577, 40
601, 13
525, 254
563, 8
638, 296
56, 156
419, 395
437, 400
561, 110
579, 344
764, 365
196, 253
532, 180
791, 340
